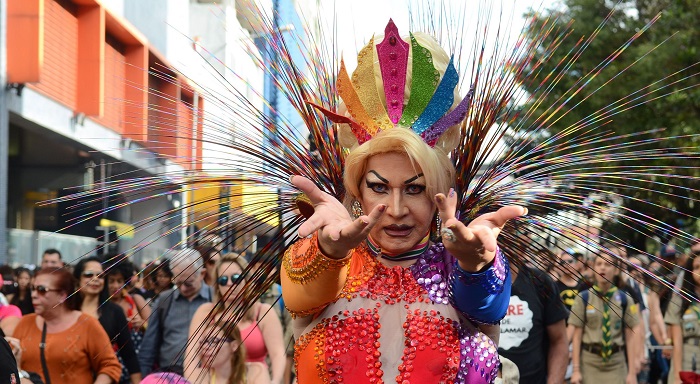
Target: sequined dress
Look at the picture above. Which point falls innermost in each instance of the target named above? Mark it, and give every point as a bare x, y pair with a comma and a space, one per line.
396, 324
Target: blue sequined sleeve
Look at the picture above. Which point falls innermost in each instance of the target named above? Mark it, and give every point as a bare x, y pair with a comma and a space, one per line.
483, 296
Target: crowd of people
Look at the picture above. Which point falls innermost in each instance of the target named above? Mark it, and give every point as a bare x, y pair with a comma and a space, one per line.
101, 320
600, 319
571, 318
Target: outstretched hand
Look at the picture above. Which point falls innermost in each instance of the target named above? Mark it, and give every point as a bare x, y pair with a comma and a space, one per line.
16, 348
338, 233
474, 245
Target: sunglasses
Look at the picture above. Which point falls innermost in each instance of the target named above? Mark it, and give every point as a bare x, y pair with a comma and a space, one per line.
90, 274
234, 278
42, 289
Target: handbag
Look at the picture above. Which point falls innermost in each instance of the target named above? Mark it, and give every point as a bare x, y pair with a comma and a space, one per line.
689, 377
42, 347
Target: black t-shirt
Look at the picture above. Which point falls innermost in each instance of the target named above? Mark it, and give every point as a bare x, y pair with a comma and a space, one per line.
115, 324
534, 304
146, 294
568, 294
24, 305
8, 364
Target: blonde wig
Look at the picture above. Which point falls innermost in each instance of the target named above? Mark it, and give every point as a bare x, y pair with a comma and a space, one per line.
437, 169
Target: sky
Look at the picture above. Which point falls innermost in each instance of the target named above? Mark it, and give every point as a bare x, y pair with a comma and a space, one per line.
357, 20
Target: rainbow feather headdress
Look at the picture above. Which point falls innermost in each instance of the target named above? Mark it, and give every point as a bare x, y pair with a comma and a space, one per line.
427, 109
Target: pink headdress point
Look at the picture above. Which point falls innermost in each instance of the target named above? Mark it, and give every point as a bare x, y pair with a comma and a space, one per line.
393, 60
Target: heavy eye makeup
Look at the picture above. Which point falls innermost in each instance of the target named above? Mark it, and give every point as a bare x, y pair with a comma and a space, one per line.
377, 187
414, 189
381, 186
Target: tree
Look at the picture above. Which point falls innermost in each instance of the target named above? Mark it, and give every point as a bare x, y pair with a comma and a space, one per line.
590, 98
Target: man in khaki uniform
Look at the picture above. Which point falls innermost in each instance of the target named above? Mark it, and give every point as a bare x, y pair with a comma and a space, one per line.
685, 332
588, 333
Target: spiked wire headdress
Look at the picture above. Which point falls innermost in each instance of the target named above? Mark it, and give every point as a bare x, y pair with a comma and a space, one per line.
533, 147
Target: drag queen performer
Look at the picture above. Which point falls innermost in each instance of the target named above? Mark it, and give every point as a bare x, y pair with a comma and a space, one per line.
378, 291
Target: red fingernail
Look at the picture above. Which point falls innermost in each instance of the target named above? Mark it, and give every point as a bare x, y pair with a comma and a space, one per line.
382, 208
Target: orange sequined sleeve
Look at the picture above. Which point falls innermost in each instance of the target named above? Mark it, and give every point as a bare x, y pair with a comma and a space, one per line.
310, 279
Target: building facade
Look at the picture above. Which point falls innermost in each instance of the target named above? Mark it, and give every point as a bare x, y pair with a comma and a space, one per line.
105, 90
89, 101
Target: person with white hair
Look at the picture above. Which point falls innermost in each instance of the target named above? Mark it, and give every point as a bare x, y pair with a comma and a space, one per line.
166, 335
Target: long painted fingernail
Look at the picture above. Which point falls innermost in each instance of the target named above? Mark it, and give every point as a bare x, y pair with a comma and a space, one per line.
439, 199
452, 192
382, 208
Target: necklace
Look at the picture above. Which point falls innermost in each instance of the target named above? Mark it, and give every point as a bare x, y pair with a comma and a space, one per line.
411, 254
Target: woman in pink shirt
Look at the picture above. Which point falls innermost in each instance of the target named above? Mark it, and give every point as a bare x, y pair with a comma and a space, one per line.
9, 315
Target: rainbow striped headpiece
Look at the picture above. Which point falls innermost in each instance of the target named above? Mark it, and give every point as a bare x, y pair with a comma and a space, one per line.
427, 110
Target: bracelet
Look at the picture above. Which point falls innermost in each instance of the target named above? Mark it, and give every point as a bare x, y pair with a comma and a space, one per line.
492, 279
302, 268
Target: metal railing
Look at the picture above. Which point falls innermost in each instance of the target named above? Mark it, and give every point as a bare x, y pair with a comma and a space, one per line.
25, 247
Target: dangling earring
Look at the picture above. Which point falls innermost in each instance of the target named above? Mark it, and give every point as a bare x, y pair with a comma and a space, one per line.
356, 209
435, 233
